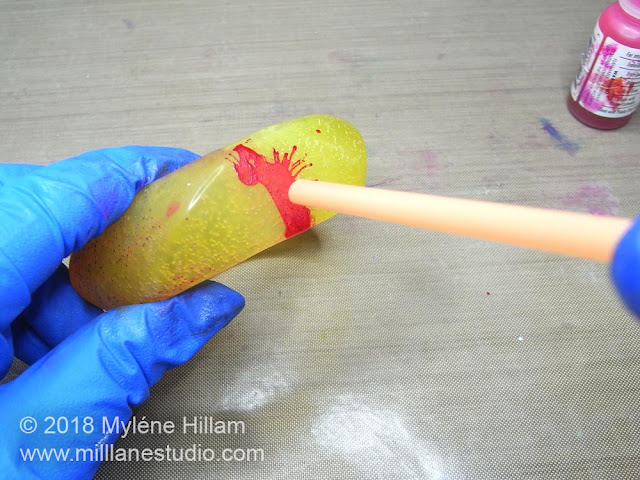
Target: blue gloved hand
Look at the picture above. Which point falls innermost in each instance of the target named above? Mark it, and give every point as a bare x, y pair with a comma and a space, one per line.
625, 268
86, 365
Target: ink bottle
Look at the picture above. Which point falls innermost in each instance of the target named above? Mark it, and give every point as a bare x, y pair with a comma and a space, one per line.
606, 91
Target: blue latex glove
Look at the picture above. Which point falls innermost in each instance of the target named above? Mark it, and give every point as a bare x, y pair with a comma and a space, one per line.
625, 268
85, 363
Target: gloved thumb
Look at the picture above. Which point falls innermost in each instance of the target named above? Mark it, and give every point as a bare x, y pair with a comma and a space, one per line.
98, 373
625, 268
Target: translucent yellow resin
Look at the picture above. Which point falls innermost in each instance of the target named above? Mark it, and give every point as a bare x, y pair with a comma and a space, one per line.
216, 212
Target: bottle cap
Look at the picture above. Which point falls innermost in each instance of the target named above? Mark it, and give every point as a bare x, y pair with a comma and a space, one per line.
632, 7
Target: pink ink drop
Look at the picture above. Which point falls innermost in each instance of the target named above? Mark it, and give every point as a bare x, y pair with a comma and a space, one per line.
276, 175
318, 131
172, 208
615, 50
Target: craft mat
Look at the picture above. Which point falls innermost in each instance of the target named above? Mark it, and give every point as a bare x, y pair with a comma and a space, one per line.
368, 350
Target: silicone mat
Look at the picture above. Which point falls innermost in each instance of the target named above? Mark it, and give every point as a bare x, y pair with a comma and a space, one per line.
368, 350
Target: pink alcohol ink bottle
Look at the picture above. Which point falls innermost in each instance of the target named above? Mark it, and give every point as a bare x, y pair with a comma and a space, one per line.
606, 90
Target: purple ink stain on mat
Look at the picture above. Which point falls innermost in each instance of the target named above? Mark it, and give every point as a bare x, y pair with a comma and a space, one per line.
384, 182
532, 143
597, 199
427, 162
565, 144
343, 57
129, 24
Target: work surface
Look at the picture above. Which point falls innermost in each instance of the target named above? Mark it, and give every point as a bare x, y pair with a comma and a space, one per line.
368, 350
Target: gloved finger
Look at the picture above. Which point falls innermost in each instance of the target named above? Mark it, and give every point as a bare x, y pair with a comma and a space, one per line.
27, 344
56, 209
10, 172
625, 268
55, 312
104, 369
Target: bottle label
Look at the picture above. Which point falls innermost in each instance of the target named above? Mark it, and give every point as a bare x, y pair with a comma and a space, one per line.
608, 83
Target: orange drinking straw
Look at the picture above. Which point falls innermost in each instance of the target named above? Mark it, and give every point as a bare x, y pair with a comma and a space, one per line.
574, 234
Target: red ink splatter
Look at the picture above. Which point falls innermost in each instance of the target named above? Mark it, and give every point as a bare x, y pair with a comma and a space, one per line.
488, 293
276, 176
172, 208
318, 131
